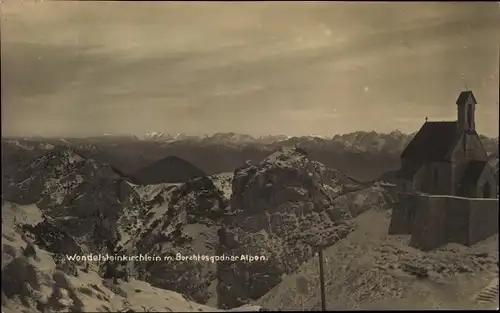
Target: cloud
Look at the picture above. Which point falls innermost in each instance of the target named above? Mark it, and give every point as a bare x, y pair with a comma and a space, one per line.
311, 114
130, 67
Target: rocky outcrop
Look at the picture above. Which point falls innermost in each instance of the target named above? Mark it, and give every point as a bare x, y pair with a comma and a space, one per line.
79, 197
52, 238
52, 179
223, 182
168, 220
279, 210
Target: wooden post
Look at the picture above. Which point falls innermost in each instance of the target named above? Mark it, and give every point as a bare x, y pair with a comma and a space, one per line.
321, 278
302, 289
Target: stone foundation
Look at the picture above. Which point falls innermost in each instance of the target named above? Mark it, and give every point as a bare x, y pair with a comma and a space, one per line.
403, 213
434, 221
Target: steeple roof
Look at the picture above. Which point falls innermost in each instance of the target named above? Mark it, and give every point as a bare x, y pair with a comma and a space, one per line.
465, 96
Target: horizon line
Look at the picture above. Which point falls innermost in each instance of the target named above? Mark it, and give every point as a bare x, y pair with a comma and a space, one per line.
208, 135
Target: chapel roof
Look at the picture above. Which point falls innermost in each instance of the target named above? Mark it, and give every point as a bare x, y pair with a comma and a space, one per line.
432, 142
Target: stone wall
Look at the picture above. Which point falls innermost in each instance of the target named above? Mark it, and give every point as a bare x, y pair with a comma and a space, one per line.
428, 230
483, 219
403, 213
434, 221
457, 222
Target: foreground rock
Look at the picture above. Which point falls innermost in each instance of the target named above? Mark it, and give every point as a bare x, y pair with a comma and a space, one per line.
279, 209
36, 283
169, 220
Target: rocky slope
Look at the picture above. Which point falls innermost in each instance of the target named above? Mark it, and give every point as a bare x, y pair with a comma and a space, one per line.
211, 216
89, 208
79, 197
169, 219
286, 202
278, 209
33, 282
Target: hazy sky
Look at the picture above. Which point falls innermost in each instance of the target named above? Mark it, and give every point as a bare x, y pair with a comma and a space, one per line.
86, 68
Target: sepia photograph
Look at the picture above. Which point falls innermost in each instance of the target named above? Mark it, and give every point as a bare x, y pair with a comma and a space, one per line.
238, 156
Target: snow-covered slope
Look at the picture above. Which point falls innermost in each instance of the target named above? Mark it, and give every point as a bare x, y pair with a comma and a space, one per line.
370, 270
36, 283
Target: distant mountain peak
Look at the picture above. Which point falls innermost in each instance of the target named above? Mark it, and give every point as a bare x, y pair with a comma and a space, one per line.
165, 137
171, 169
396, 132
215, 138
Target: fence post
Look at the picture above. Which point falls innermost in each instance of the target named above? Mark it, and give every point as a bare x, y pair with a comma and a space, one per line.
321, 278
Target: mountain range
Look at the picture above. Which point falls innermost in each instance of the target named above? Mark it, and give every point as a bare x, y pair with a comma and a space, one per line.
275, 201
63, 203
363, 155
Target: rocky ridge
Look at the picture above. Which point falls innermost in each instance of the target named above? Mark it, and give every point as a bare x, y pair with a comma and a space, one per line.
78, 196
275, 208
280, 209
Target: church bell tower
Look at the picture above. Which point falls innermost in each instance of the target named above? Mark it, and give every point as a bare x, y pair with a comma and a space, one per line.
466, 107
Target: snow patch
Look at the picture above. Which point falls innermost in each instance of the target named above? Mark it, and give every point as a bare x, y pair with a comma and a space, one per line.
224, 183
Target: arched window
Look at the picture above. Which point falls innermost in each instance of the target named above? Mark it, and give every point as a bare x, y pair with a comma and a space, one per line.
486, 190
436, 179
